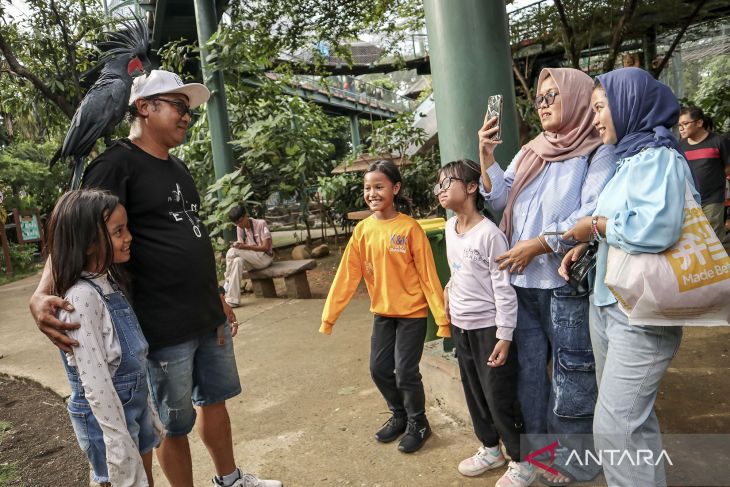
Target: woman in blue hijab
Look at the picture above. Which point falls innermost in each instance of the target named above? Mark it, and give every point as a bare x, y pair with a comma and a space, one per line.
639, 210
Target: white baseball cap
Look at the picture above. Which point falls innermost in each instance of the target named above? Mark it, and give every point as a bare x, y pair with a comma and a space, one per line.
160, 82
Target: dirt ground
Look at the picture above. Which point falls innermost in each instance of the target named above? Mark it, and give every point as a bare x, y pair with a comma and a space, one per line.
309, 408
37, 442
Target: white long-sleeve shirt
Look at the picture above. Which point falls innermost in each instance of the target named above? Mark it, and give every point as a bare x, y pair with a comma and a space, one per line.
97, 358
480, 294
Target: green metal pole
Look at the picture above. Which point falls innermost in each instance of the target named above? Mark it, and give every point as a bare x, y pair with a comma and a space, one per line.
355, 132
220, 130
470, 60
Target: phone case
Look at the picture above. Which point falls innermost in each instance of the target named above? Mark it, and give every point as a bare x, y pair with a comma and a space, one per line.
494, 109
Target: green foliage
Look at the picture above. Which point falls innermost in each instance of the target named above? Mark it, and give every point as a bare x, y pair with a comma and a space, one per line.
342, 193
395, 136
53, 45
22, 257
284, 152
713, 91
25, 178
8, 473
418, 181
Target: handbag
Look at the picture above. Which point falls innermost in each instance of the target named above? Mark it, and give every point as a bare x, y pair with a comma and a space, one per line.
686, 285
578, 275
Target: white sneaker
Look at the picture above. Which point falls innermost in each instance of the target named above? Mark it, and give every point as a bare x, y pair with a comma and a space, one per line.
250, 480
519, 474
483, 460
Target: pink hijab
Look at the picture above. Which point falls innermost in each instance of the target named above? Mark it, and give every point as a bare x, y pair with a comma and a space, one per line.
576, 135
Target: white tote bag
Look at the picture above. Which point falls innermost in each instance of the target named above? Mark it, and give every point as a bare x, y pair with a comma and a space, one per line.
686, 285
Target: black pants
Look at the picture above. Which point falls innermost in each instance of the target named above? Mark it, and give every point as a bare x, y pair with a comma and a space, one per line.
395, 352
491, 392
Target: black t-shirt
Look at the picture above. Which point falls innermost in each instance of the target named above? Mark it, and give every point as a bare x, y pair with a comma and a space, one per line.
174, 283
707, 161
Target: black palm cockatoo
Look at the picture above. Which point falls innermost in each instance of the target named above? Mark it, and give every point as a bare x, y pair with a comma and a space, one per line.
107, 101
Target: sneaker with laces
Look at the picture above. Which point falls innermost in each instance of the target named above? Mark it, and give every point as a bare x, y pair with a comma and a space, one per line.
249, 480
391, 429
417, 433
519, 474
484, 459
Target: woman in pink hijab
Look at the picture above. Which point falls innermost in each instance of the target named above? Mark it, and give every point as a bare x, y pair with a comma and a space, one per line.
553, 181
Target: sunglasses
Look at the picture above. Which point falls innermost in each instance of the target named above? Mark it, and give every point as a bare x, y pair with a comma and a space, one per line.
548, 98
181, 107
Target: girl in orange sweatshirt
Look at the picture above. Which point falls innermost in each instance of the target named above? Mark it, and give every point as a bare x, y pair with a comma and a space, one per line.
390, 250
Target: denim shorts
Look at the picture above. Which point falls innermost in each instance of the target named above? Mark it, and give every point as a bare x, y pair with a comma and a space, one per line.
198, 372
133, 396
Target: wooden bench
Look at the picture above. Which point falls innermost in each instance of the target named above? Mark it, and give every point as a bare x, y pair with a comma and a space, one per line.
294, 273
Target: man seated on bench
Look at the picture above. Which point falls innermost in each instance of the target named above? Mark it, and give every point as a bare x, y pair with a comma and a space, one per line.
252, 250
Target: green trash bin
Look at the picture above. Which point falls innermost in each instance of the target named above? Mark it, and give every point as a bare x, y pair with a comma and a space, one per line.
434, 228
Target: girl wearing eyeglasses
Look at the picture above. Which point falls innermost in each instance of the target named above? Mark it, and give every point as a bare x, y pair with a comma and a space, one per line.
482, 308
553, 181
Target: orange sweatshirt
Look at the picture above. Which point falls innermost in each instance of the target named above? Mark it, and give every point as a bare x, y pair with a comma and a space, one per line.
395, 259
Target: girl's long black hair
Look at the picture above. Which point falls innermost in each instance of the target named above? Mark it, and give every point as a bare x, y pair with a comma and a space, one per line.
402, 203
77, 222
467, 171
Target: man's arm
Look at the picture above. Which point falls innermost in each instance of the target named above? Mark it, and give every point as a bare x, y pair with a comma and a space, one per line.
725, 153
264, 247
44, 307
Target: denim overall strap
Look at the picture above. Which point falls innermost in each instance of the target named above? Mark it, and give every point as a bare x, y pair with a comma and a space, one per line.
131, 340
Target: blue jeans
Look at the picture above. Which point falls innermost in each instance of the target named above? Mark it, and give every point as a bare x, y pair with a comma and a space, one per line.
198, 372
630, 364
552, 325
129, 383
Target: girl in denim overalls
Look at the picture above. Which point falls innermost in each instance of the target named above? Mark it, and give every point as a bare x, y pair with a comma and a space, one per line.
109, 405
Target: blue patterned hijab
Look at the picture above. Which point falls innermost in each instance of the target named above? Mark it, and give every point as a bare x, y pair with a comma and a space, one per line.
643, 110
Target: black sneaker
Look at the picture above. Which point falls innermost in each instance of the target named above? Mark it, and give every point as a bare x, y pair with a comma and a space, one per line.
392, 429
416, 435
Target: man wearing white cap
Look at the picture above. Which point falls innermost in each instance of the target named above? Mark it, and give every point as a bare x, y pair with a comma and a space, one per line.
174, 287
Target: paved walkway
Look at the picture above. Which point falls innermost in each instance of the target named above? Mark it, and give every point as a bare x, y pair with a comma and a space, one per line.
309, 408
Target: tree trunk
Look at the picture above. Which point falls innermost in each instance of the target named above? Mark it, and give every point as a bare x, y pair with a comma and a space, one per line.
658, 70
21, 71
618, 34
568, 35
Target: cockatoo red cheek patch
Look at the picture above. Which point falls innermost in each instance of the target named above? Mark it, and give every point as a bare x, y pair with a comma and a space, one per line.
135, 67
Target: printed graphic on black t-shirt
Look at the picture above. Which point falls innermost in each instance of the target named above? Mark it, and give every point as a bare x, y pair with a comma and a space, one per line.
184, 211
174, 282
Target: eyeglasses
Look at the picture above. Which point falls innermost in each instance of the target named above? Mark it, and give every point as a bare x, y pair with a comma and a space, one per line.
548, 98
181, 107
683, 125
444, 184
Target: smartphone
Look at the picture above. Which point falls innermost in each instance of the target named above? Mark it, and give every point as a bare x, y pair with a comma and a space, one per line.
494, 109
553, 233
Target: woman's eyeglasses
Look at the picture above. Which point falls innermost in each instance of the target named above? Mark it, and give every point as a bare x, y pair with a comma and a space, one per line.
548, 98
180, 106
444, 184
